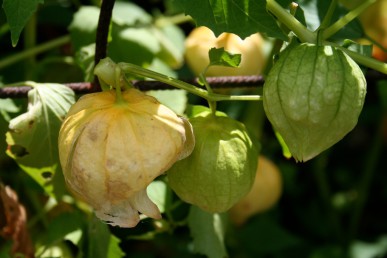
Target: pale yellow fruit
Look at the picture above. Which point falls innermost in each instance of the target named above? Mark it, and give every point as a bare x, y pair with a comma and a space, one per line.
202, 39
264, 194
111, 151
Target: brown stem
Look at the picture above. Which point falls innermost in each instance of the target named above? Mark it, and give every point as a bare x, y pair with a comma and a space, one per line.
101, 40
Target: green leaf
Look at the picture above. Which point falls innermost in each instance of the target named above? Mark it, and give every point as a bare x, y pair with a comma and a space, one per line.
365, 50
33, 136
171, 40
207, 231
239, 17
133, 45
264, 236
61, 226
174, 99
219, 56
18, 13
101, 243
129, 14
157, 191
7, 106
84, 26
85, 59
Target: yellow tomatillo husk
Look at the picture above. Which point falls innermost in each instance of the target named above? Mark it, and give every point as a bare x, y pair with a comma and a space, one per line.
112, 148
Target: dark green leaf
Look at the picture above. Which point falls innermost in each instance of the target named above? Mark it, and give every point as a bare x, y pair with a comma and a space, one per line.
207, 231
264, 236
62, 225
101, 243
18, 13
219, 56
236, 16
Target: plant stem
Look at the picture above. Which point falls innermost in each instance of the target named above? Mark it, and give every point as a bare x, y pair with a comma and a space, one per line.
101, 40
34, 51
365, 60
289, 21
328, 16
139, 71
339, 24
202, 78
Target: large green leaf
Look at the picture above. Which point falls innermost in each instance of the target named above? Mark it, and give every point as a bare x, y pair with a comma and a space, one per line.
18, 13
33, 136
207, 231
241, 17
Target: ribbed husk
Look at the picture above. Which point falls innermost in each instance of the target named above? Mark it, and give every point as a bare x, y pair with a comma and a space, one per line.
313, 97
111, 151
222, 167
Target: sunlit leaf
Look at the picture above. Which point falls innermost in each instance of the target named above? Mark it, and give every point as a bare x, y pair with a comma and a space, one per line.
157, 191
130, 14
171, 40
33, 136
174, 99
207, 231
219, 56
7, 106
84, 26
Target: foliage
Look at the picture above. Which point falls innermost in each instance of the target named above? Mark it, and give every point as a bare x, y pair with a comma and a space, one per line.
331, 206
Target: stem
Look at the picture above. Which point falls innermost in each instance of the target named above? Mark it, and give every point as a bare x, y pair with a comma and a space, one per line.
101, 40
203, 79
117, 76
328, 16
366, 61
139, 71
34, 51
292, 23
339, 24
